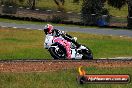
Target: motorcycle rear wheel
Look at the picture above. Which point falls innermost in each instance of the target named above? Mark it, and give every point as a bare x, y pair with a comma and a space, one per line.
87, 54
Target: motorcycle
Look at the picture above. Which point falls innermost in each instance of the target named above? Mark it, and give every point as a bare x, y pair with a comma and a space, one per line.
60, 48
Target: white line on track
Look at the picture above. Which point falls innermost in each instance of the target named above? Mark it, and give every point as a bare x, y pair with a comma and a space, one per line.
28, 28
127, 58
14, 27
40, 29
3, 26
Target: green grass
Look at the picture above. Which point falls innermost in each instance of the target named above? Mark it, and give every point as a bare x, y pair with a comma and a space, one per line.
41, 23
106, 46
123, 12
18, 44
28, 44
33, 22
21, 21
120, 20
59, 79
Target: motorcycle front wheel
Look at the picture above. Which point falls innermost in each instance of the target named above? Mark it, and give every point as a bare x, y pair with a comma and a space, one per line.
58, 52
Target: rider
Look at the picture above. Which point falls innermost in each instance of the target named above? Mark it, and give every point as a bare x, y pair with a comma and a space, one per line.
49, 29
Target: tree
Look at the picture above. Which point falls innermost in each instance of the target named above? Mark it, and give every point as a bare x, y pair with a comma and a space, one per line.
11, 2
60, 4
1, 2
119, 4
129, 13
32, 4
76, 1
10, 6
114, 3
92, 10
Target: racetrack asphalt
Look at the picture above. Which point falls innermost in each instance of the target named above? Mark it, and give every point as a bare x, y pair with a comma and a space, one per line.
103, 31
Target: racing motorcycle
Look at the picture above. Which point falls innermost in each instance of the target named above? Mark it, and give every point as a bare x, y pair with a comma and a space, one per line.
60, 48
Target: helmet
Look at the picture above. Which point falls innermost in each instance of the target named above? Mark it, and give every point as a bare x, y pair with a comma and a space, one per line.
48, 29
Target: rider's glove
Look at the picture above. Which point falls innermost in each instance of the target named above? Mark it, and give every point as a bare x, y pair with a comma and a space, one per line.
74, 38
61, 32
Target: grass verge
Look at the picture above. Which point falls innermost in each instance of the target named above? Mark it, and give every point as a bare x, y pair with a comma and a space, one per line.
28, 44
41, 23
21, 21
59, 79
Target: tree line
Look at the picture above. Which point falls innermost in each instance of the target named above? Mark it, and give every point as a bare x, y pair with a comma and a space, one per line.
30, 3
97, 7
88, 6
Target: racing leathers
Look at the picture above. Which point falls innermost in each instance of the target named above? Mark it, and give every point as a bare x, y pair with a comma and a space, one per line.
66, 36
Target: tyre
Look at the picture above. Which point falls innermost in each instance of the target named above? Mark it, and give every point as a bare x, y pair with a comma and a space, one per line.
87, 54
58, 52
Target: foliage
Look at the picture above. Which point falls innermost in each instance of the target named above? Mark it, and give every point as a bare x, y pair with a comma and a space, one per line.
90, 7
32, 3
117, 3
11, 2
58, 18
76, 1
60, 4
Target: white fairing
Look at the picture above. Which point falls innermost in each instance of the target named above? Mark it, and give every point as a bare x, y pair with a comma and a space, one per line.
48, 41
78, 56
73, 53
82, 47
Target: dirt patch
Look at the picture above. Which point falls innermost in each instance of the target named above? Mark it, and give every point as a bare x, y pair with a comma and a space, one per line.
54, 65
118, 24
